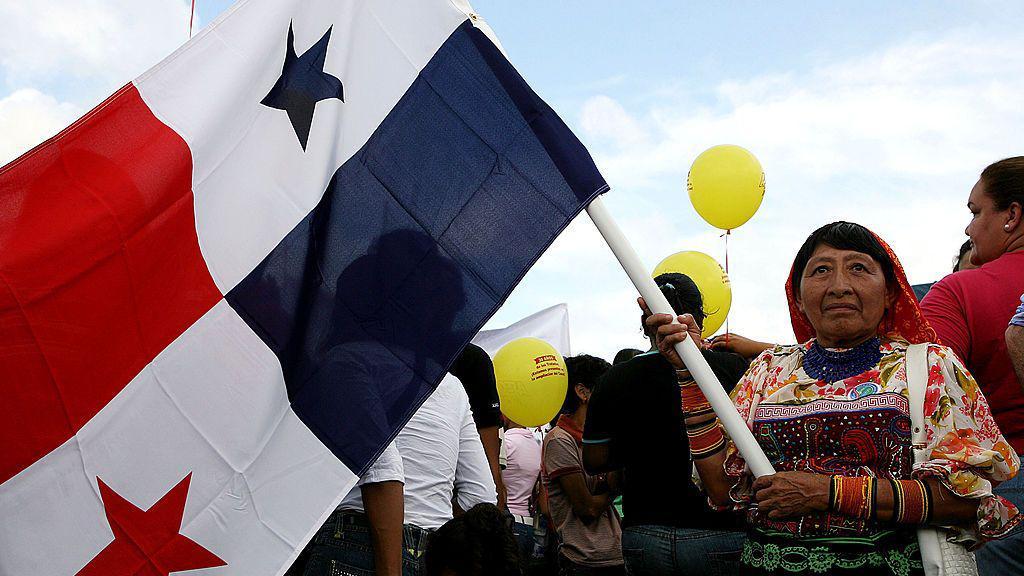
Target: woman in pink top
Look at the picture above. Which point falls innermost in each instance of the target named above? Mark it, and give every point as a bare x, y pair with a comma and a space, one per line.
522, 454
970, 311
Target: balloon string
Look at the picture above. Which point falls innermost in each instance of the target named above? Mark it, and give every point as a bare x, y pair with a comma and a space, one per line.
727, 234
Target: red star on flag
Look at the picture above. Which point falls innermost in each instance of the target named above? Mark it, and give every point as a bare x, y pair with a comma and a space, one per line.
148, 543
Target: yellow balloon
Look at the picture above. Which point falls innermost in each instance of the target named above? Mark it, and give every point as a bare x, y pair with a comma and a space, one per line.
726, 185
711, 280
532, 381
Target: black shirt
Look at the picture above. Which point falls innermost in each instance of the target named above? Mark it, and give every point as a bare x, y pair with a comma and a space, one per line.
635, 407
473, 367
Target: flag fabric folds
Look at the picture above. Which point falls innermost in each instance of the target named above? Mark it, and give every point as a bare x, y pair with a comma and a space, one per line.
226, 288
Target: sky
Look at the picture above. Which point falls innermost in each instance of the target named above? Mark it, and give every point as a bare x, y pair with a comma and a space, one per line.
875, 112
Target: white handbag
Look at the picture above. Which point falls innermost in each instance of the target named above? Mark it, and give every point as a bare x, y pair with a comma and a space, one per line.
940, 556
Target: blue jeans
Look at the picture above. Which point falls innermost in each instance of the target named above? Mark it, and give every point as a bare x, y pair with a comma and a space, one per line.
657, 550
343, 545
1005, 556
531, 548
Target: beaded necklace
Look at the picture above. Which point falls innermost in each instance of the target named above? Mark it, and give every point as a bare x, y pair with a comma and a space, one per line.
835, 365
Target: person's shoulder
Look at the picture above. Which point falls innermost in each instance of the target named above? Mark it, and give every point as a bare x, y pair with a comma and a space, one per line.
625, 375
936, 353
471, 362
956, 284
517, 435
781, 352
940, 354
557, 437
646, 362
449, 396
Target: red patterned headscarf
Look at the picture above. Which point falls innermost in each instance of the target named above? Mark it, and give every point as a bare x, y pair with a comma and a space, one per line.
903, 319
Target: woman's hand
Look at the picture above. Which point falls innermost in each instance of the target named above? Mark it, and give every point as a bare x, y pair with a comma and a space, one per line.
791, 494
739, 344
668, 333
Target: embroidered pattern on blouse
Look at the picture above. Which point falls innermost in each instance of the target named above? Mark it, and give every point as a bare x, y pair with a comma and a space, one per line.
968, 453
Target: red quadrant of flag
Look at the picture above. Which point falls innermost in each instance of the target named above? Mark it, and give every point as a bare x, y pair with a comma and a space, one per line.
100, 269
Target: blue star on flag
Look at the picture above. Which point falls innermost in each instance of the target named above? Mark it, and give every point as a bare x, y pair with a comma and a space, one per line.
302, 84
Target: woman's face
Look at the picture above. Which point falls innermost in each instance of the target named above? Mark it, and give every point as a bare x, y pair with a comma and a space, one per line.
844, 295
986, 227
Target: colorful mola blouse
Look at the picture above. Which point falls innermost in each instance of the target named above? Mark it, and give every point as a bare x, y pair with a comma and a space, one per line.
860, 426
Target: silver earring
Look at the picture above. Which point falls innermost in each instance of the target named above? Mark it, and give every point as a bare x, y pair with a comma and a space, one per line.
1006, 227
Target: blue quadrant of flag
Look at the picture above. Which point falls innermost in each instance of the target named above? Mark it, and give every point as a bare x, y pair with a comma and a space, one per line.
417, 241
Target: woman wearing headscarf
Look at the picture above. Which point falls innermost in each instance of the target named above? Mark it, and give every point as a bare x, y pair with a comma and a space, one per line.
970, 311
832, 415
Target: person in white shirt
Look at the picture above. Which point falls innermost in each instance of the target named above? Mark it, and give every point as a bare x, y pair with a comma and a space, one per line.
443, 457
439, 457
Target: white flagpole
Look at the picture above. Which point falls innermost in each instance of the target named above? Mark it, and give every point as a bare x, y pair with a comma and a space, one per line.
687, 350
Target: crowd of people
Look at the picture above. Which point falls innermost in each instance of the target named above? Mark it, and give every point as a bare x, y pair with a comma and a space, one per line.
636, 475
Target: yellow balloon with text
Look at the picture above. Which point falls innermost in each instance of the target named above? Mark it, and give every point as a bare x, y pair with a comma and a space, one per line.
532, 381
711, 280
726, 185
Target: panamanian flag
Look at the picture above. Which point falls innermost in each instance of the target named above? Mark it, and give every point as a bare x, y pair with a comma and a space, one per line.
226, 288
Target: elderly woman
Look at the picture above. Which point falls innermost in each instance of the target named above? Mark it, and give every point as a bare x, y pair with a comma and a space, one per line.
833, 417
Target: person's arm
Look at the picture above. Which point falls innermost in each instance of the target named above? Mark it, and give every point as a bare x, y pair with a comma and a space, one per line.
381, 488
711, 468
737, 344
1015, 347
492, 447
794, 494
564, 466
587, 507
474, 368
385, 509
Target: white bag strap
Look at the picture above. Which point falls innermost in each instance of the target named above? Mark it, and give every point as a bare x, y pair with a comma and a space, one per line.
917, 385
939, 557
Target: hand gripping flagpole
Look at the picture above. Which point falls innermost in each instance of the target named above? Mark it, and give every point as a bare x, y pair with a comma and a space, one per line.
687, 350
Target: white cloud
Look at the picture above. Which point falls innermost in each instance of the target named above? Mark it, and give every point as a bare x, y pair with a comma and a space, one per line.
27, 117
59, 58
893, 139
92, 43
606, 119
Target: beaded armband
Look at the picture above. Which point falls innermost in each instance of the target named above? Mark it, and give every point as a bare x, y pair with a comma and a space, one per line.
853, 496
694, 402
858, 497
706, 438
911, 502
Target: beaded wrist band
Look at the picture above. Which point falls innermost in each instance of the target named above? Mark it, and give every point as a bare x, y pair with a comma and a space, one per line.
706, 439
853, 496
911, 502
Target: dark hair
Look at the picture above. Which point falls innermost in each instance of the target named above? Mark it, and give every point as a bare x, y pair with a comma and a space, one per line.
478, 543
843, 236
1004, 181
682, 293
964, 248
625, 355
582, 369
